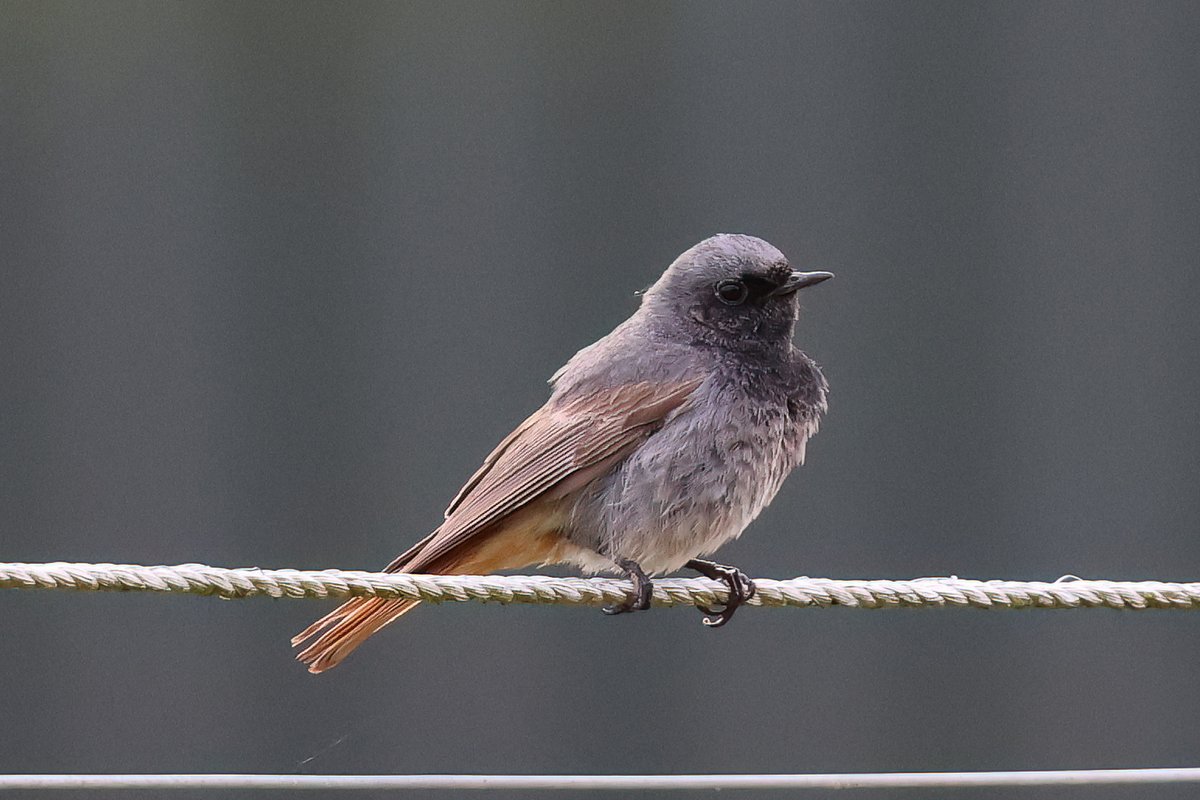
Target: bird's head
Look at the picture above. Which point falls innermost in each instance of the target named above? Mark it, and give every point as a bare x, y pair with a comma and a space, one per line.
732, 290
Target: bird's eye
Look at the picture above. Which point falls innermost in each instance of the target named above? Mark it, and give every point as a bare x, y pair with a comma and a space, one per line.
732, 293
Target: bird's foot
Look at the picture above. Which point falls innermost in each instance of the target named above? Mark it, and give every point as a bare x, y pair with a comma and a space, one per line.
741, 589
643, 587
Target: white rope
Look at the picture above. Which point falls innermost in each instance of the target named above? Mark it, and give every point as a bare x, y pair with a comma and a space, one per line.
867, 780
800, 592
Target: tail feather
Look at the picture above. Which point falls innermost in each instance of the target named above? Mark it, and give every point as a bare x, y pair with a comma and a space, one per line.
527, 537
348, 626
327, 620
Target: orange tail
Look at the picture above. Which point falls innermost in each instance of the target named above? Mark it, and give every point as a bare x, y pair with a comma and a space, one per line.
521, 540
348, 626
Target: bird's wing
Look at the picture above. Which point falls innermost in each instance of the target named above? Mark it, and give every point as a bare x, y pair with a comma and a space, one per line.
568, 443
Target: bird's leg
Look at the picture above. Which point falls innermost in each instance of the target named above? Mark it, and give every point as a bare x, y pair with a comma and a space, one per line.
741, 589
642, 588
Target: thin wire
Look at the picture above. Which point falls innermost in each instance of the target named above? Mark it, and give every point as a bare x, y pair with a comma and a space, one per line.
797, 592
869, 780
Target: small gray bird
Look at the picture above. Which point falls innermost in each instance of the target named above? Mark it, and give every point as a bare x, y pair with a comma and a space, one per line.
659, 443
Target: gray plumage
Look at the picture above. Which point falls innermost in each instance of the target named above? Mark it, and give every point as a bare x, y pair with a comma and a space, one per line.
721, 456
659, 443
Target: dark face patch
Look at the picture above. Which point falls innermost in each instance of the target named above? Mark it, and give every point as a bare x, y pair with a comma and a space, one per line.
743, 309
757, 285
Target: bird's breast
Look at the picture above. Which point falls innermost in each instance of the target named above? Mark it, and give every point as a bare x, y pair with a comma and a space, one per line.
699, 480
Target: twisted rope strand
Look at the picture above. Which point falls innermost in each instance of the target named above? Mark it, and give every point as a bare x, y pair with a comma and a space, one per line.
796, 592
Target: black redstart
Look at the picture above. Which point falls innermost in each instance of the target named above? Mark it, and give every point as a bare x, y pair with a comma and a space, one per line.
659, 443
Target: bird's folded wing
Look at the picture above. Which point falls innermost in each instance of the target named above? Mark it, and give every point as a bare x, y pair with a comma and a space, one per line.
575, 441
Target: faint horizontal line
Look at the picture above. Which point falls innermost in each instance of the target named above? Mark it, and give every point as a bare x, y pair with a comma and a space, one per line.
868, 780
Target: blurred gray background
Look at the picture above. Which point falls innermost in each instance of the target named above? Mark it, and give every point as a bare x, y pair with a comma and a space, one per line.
276, 276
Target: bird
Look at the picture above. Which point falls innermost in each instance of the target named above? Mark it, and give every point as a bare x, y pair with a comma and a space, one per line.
659, 443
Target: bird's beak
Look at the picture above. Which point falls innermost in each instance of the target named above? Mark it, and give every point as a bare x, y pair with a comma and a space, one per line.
801, 280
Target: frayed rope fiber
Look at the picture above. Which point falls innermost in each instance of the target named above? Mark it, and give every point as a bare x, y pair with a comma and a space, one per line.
796, 592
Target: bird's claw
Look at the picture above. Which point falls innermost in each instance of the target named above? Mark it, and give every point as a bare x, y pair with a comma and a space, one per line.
741, 589
643, 589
